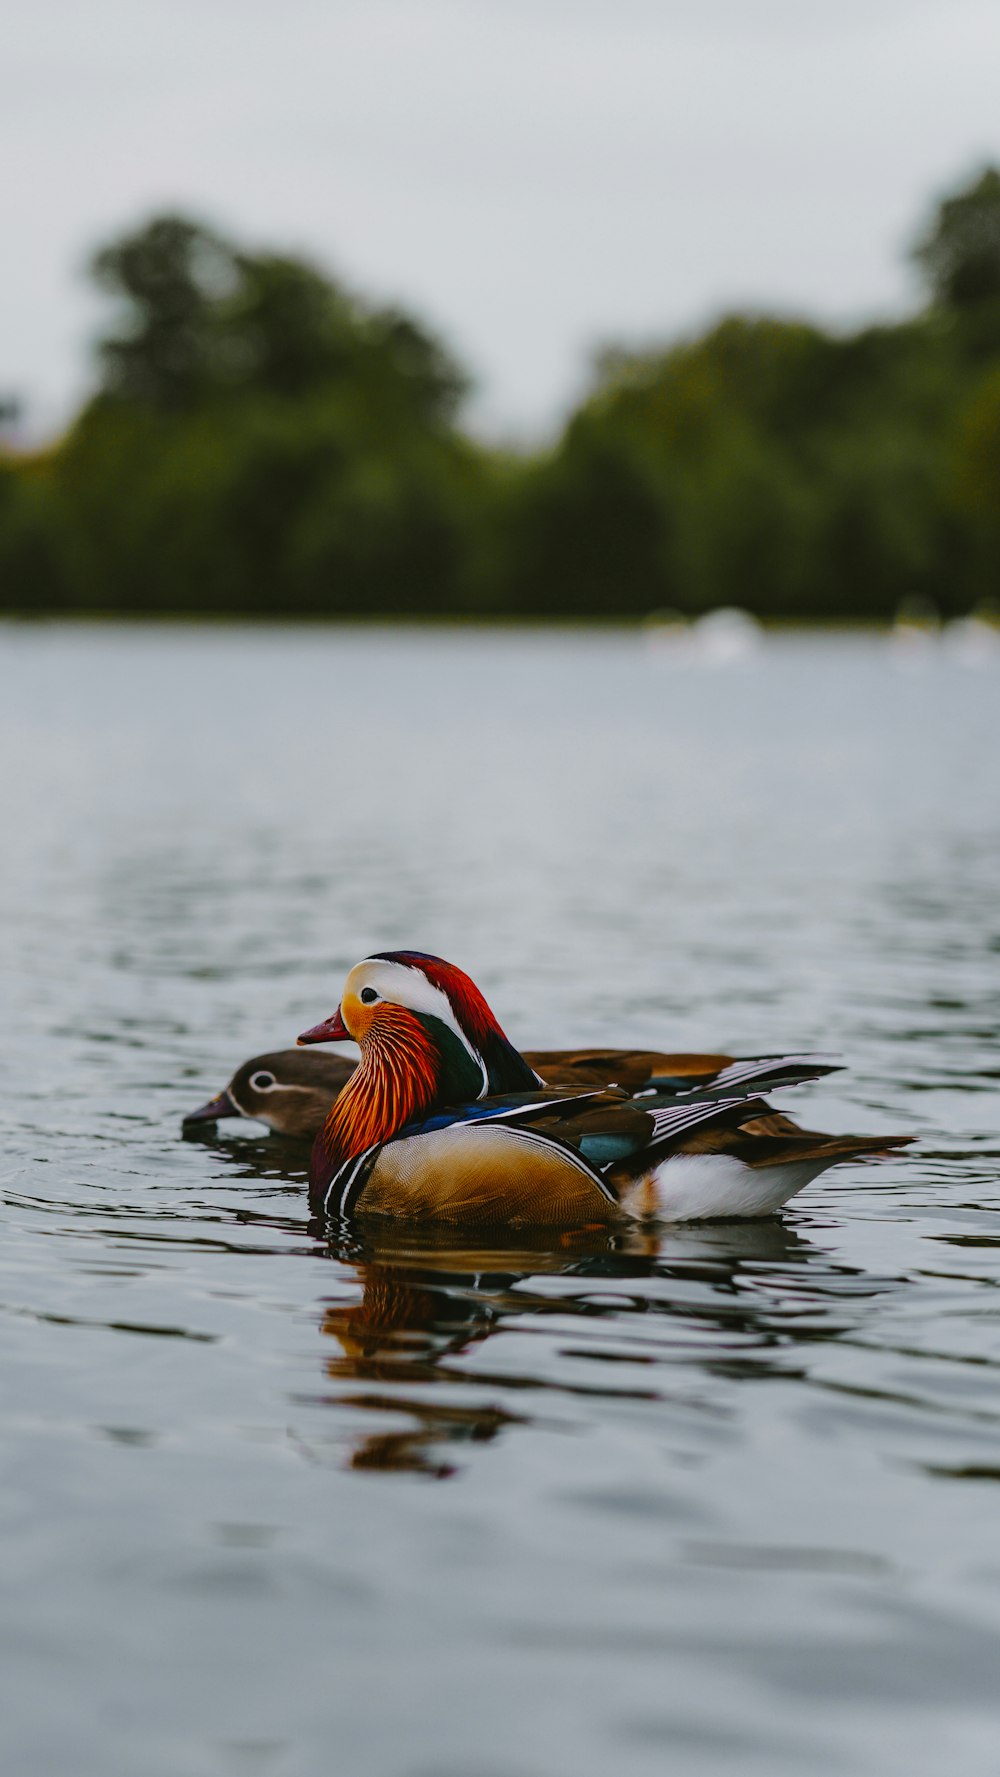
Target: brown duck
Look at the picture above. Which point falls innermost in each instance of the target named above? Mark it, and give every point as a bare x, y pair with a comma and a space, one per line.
294, 1090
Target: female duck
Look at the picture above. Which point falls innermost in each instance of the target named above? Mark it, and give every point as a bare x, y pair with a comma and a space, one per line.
294, 1090
445, 1121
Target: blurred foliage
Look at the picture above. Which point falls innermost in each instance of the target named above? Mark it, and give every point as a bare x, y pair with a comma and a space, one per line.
960, 254
261, 442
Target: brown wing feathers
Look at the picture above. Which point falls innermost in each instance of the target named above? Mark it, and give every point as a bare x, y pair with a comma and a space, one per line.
629, 1068
773, 1139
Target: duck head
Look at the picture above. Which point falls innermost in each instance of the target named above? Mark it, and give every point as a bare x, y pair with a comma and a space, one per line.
291, 1091
427, 1038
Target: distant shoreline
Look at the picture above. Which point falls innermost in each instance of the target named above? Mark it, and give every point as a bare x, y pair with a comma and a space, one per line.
435, 620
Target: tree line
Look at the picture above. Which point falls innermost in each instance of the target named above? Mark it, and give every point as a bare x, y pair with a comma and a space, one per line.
262, 442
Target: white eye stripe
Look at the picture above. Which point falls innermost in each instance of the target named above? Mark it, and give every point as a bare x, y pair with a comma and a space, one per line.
404, 985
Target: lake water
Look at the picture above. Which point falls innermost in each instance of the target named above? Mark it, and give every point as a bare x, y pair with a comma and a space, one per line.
726, 1502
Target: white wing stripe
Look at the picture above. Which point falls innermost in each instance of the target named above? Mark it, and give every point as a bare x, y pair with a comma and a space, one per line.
739, 1072
688, 1116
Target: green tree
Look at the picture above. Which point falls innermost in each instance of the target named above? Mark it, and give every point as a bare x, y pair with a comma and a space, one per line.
169, 279
976, 480
960, 258
959, 253
198, 318
31, 570
262, 441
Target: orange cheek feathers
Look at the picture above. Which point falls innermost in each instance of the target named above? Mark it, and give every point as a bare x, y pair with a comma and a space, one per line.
396, 1082
358, 1018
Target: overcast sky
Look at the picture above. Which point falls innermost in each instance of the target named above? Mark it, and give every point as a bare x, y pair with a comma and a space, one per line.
534, 177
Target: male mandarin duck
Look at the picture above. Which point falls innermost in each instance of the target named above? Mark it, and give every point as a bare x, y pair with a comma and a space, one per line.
444, 1121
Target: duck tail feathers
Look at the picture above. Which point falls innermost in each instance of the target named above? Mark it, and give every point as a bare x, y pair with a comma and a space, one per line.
831, 1149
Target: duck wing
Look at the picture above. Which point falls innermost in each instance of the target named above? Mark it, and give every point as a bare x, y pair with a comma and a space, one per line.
631, 1069
643, 1070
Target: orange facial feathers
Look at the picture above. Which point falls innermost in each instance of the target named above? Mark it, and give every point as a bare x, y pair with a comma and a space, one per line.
394, 1083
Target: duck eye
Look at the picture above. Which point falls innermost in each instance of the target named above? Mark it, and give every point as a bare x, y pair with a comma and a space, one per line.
368, 996
262, 1082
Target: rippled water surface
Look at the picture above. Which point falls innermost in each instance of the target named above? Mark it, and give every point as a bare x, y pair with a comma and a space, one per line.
729, 1501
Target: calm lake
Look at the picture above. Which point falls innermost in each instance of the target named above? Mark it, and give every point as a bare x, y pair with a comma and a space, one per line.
727, 1501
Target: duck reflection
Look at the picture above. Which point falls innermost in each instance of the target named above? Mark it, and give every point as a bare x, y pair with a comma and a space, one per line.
718, 1301
426, 1304
409, 1321
400, 1332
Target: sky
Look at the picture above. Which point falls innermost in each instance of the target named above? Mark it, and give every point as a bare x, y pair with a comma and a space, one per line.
534, 178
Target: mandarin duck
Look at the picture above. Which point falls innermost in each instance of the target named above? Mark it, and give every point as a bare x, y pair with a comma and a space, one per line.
294, 1090
444, 1121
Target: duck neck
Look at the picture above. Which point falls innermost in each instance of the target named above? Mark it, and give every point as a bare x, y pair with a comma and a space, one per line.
398, 1080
